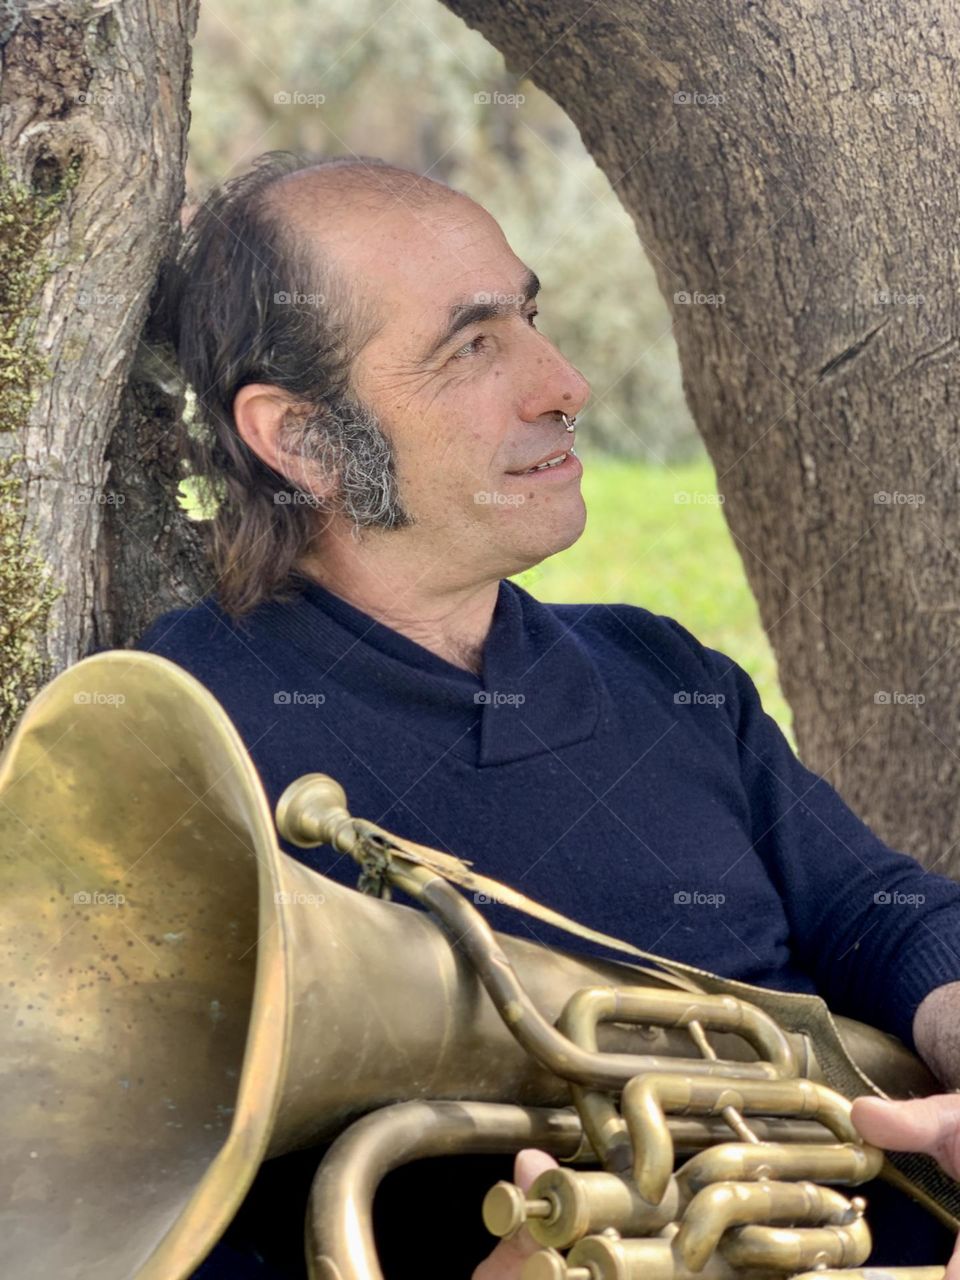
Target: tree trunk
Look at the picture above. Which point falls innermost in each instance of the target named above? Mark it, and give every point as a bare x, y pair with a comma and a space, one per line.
791, 170
93, 120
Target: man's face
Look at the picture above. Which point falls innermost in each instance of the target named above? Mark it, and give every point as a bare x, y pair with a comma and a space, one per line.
469, 399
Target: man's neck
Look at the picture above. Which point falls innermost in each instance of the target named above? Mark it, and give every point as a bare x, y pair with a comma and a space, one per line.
452, 623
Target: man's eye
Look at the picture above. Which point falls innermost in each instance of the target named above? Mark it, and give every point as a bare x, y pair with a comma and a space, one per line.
473, 347
478, 344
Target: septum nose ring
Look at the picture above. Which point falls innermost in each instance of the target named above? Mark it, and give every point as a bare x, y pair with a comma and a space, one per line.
568, 422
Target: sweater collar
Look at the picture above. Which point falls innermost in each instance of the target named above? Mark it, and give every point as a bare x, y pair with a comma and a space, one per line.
538, 690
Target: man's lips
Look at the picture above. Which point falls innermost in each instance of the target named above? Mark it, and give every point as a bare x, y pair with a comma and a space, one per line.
557, 453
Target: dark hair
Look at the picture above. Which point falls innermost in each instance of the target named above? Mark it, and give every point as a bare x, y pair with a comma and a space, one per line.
246, 301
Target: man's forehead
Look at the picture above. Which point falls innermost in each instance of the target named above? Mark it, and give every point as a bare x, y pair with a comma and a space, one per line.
418, 266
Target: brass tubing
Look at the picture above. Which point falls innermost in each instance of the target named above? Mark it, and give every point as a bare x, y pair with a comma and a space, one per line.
520, 1015
846, 1163
790, 1249
590, 1006
646, 1005
562, 1206
717, 1208
607, 1258
731, 1115
695, 1133
339, 1242
647, 1098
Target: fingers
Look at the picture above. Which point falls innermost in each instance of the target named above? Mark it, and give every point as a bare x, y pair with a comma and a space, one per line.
930, 1124
507, 1259
528, 1166
953, 1266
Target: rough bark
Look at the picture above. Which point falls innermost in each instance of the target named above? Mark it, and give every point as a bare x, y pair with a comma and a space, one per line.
812, 185
93, 119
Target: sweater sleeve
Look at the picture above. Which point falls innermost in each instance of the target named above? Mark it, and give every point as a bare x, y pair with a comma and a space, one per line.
874, 928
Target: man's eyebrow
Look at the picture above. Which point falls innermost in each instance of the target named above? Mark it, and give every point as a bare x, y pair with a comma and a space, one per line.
482, 306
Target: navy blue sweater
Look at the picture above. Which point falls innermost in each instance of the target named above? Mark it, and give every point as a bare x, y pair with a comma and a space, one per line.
606, 763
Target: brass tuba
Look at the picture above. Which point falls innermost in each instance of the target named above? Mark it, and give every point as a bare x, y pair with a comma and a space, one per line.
182, 1000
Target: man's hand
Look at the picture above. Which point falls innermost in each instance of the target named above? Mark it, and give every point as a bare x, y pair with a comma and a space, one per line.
930, 1124
509, 1256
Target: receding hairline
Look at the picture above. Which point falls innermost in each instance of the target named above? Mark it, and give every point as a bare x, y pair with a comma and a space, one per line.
291, 197
290, 203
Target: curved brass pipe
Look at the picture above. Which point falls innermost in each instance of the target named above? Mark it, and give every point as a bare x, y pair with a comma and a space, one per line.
590, 1006
647, 1098
795, 1248
848, 1163
340, 1244
715, 1209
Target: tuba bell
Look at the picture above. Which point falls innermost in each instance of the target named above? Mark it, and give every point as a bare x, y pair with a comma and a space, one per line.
183, 1001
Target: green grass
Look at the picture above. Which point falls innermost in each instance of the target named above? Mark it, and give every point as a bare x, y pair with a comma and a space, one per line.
645, 545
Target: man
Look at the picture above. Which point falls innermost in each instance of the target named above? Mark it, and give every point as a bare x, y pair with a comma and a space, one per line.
387, 435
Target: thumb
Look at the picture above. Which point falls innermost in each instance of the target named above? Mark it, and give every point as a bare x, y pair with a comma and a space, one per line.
931, 1125
528, 1166
507, 1259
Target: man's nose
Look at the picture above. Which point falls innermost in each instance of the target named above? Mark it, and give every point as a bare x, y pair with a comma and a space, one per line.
559, 387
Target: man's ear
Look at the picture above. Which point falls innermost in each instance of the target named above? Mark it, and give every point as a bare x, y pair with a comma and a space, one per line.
259, 411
